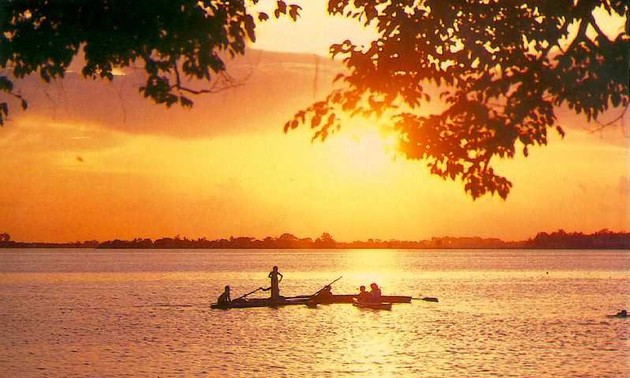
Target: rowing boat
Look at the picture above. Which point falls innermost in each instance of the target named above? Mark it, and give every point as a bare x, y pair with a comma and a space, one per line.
304, 299
350, 298
373, 305
262, 302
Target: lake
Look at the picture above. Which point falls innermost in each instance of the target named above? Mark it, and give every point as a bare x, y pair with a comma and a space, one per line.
503, 313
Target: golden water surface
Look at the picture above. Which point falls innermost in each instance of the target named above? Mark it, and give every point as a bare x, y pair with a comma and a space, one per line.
146, 313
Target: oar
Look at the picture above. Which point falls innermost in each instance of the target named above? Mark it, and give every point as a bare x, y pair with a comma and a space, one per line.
313, 304
244, 295
330, 284
427, 299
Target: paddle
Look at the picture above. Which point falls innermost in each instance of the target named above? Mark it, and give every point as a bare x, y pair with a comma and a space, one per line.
330, 284
427, 299
313, 303
250, 293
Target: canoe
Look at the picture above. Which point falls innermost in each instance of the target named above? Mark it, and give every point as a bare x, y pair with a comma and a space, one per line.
305, 299
373, 305
262, 302
349, 298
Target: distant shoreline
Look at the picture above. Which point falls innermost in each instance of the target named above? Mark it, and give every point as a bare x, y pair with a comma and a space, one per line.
557, 240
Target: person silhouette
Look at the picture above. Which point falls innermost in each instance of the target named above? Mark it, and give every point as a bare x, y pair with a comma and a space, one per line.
275, 283
325, 295
224, 298
363, 295
375, 293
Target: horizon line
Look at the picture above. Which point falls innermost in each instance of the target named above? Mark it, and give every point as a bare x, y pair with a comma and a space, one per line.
290, 236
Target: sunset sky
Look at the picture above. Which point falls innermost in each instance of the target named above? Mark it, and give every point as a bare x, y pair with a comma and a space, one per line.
95, 160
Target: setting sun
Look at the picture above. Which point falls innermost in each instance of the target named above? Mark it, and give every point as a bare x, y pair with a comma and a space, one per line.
364, 151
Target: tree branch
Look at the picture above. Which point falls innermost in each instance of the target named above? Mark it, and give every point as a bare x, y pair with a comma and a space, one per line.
602, 126
222, 83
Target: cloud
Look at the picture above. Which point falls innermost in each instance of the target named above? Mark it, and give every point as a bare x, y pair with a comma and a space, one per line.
272, 87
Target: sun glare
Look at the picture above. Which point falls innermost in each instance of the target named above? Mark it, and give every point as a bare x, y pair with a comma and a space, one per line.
366, 152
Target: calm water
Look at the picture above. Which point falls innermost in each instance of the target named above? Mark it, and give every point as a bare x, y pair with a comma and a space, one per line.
146, 313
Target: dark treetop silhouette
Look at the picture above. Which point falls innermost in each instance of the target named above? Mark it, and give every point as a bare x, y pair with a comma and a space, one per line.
502, 66
176, 42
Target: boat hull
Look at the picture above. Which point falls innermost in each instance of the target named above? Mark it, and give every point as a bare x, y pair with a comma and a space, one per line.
305, 299
350, 298
374, 306
261, 302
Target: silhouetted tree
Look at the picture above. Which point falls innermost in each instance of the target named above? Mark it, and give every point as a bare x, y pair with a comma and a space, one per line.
287, 240
287, 237
5, 237
502, 67
174, 41
325, 241
603, 239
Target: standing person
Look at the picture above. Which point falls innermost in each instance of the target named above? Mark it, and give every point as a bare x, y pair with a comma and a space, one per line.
275, 283
375, 293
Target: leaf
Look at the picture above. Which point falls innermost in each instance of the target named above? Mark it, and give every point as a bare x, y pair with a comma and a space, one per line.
281, 8
560, 131
250, 25
185, 102
6, 85
294, 12
4, 112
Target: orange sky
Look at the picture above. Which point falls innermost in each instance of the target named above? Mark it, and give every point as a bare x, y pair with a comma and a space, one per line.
94, 160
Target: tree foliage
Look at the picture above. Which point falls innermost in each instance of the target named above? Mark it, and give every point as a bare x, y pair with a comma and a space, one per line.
502, 68
174, 41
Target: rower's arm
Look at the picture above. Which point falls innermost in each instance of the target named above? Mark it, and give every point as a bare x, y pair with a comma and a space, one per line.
281, 277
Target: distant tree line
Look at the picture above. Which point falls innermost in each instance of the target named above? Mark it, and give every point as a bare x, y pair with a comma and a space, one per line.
284, 241
603, 239
561, 239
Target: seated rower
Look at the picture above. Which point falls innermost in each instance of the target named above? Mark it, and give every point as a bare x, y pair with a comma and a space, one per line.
622, 314
325, 294
224, 298
375, 293
363, 295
